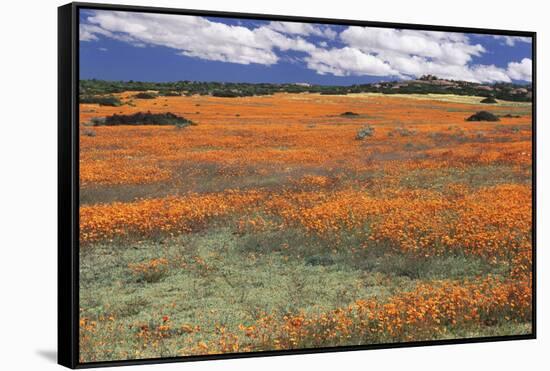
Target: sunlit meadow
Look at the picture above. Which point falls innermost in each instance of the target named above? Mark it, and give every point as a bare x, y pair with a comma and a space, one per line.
268, 225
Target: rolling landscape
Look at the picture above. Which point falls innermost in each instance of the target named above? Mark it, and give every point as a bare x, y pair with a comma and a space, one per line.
300, 220
249, 185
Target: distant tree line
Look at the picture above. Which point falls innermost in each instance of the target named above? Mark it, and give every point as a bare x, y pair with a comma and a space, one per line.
100, 91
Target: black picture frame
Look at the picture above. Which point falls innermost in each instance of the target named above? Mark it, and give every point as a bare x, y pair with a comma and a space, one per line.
68, 182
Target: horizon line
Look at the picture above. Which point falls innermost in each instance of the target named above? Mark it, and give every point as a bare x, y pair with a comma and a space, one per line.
301, 82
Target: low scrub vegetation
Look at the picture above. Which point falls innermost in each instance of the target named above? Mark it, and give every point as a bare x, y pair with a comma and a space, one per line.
146, 95
349, 114
365, 131
150, 271
489, 100
402, 132
170, 94
341, 91
88, 133
142, 118
483, 116
503, 91
109, 100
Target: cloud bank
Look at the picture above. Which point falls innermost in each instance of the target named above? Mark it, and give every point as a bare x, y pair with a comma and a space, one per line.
355, 51
522, 70
512, 40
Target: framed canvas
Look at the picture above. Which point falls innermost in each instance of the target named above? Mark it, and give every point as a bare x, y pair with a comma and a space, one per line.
236, 185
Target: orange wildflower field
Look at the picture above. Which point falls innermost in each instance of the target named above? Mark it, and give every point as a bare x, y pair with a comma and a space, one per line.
269, 225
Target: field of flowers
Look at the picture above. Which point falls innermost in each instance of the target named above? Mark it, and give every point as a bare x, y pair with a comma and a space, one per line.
269, 225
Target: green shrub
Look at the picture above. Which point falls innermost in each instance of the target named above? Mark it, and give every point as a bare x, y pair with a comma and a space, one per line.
349, 114
366, 131
145, 95
141, 118
88, 133
483, 116
489, 100
95, 121
109, 100
334, 92
322, 260
402, 131
228, 94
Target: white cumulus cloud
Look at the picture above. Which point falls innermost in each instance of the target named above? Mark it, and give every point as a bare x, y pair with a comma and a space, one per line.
521, 70
89, 32
346, 62
193, 36
359, 51
450, 48
412, 53
512, 40
302, 29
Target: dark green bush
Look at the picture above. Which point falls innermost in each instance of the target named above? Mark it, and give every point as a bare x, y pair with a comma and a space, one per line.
108, 100
334, 92
170, 94
226, 94
145, 95
349, 114
489, 100
141, 118
483, 116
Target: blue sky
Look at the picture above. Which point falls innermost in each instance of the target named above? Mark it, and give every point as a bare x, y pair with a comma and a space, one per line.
160, 47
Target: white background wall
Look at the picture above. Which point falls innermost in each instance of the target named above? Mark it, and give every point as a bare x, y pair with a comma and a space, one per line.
28, 152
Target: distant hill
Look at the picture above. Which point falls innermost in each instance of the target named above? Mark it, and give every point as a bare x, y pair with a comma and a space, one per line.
427, 84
